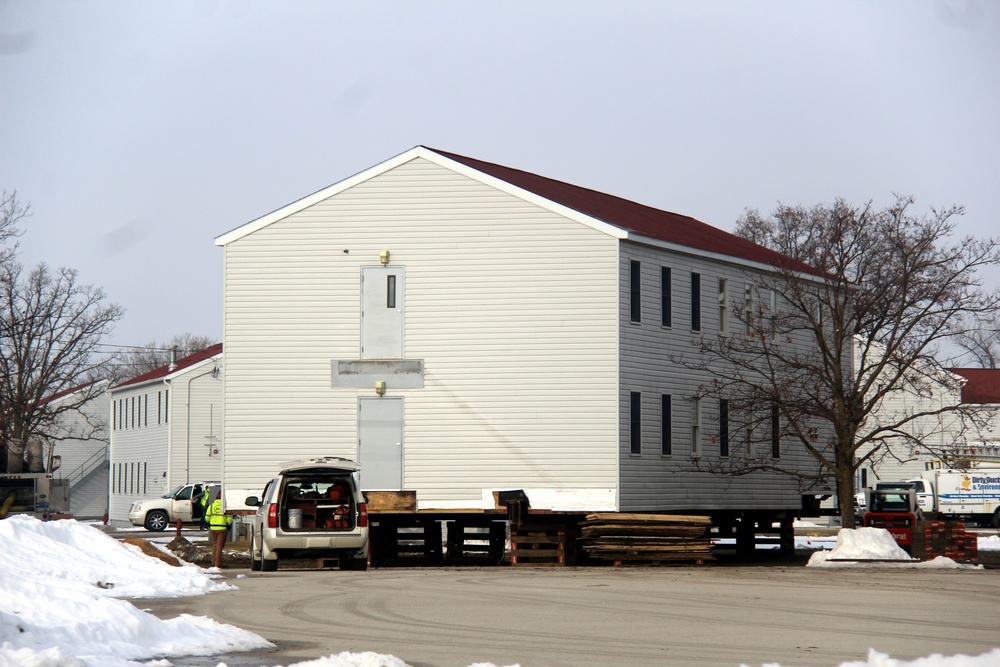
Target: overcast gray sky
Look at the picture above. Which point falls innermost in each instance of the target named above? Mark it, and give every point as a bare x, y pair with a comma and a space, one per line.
140, 131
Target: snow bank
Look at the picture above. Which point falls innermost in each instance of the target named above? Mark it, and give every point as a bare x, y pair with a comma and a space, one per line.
59, 600
877, 546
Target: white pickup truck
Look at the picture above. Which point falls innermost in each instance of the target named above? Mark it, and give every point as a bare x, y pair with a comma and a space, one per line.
175, 505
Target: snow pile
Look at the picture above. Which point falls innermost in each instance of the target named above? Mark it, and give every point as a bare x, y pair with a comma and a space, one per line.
59, 606
877, 547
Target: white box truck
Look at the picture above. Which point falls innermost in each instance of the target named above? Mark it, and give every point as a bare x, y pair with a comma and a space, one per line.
972, 494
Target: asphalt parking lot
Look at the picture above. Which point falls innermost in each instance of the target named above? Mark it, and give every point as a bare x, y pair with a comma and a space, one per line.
644, 616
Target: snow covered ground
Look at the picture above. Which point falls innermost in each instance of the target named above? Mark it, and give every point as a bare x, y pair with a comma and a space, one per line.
65, 591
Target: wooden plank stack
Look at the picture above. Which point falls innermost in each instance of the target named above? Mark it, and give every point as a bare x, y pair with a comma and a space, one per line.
625, 538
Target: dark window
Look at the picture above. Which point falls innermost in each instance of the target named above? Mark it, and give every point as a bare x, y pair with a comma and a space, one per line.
159, 406
666, 426
775, 433
635, 422
666, 301
695, 427
695, 302
723, 427
166, 406
635, 312
390, 291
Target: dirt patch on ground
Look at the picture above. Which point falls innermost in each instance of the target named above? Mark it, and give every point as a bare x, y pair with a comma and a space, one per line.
147, 548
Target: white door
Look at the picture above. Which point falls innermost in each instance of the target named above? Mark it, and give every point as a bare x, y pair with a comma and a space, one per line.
380, 443
382, 302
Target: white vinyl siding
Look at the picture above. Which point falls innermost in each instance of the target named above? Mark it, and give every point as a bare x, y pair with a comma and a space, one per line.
150, 458
512, 309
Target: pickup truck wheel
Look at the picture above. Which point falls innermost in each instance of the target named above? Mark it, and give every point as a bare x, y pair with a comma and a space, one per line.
254, 557
157, 520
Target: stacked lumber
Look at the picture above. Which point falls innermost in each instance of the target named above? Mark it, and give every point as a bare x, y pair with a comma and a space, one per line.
646, 538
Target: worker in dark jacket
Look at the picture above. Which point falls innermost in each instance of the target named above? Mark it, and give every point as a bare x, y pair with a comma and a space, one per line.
203, 501
197, 507
218, 526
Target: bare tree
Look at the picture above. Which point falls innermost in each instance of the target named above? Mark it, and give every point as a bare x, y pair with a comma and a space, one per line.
818, 353
153, 355
50, 328
11, 213
980, 341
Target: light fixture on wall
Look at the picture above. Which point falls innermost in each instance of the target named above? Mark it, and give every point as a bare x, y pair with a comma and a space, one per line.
383, 257
380, 387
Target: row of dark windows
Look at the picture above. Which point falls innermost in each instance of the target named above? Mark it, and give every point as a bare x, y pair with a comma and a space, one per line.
666, 299
666, 426
133, 412
129, 477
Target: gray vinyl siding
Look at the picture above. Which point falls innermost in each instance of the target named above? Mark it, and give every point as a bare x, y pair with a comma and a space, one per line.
651, 364
512, 308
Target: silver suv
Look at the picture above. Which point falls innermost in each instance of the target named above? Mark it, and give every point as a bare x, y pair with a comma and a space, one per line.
312, 509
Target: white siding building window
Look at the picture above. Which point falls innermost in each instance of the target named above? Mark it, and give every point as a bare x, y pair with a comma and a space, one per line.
666, 297
775, 433
635, 422
695, 427
635, 291
666, 425
774, 315
723, 427
723, 307
695, 301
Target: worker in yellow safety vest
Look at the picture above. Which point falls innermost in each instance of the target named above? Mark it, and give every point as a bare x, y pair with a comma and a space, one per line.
218, 526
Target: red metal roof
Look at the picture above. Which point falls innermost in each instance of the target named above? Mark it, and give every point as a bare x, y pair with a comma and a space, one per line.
632, 217
165, 370
983, 384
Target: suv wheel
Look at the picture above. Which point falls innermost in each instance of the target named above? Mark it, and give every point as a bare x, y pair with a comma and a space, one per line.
254, 558
157, 520
267, 565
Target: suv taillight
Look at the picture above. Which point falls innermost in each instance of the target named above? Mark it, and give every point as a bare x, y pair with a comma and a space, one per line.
272, 516
362, 515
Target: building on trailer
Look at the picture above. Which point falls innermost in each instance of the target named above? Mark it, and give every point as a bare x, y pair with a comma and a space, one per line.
462, 328
166, 430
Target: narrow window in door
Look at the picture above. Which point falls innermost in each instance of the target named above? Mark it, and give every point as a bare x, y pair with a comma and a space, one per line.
390, 291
